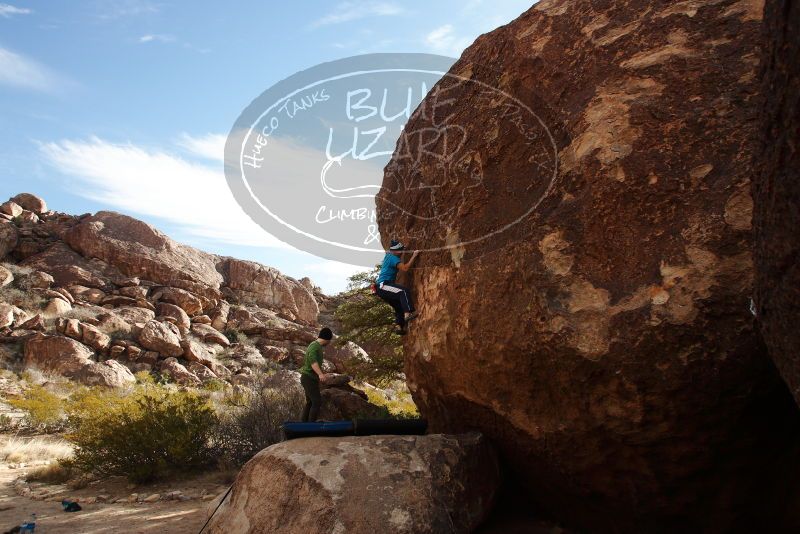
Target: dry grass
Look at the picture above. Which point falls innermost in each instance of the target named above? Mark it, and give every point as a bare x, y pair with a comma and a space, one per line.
52, 473
26, 300
17, 270
16, 449
82, 313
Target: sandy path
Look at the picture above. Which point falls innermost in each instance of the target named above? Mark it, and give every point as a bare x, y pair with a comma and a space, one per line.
172, 516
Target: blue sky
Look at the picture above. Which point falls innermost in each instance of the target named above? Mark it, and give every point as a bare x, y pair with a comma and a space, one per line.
125, 104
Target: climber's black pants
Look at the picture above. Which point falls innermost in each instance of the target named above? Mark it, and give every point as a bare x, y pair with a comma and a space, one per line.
399, 298
313, 398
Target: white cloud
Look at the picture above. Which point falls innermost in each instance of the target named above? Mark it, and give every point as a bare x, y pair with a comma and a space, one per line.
9, 11
135, 180
20, 71
349, 11
210, 146
445, 40
193, 198
150, 37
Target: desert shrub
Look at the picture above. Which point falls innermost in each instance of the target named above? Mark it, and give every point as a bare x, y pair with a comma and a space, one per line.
81, 313
251, 420
144, 434
144, 377
214, 385
44, 409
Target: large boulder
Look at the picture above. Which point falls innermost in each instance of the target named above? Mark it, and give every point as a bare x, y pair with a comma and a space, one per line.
140, 250
161, 337
94, 337
57, 354
194, 351
10, 208
777, 194
257, 284
210, 334
174, 314
581, 187
56, 307
187, 301
363, 485
179, 373
70, 268
30, 202
109, 373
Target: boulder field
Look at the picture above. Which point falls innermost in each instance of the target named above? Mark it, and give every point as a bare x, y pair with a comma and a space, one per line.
580, 186
97, 298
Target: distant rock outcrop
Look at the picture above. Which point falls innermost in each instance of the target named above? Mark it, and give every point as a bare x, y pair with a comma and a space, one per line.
364, 485
96, 298
137, 249
581, 187
777, 193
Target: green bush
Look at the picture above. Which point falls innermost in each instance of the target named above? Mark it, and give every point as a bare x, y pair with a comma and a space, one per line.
45, 410
149, 432
251, 421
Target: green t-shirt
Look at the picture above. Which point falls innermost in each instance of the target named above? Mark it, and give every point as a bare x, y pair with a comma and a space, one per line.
313, 354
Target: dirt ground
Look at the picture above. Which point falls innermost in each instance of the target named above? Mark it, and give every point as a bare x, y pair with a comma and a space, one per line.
176, 516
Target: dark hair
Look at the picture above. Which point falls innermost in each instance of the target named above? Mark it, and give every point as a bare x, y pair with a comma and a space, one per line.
326, 333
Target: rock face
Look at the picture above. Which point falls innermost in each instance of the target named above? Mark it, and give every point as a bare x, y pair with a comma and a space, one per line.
584, 294
57, 354
8, 238
777, 194
140, 250
160, 337
109, 373
265, 286
398, 484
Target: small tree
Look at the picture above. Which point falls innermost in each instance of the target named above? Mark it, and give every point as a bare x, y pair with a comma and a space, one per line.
368, 321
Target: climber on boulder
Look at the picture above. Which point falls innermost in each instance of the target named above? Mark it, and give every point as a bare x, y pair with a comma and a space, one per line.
398, 297
311, 374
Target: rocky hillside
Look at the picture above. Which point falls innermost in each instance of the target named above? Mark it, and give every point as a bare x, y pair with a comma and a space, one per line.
604, 340
97, 298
